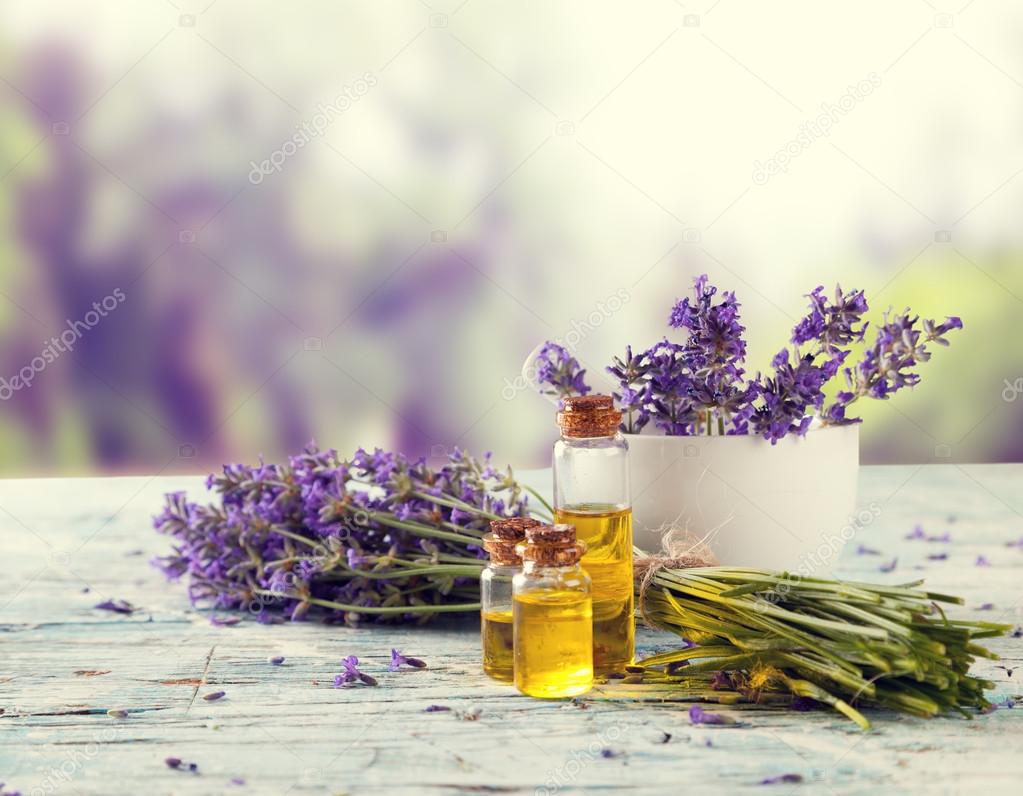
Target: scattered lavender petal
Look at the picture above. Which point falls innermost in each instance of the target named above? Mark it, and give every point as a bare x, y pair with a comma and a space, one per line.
398, 660
117, 606
982, 561
986, 607
224, 621
863, 550
275, 660
237, 781
918, 533
607, 754
782, 779
698, 715
941, 537
436, 709
937, 556
1017, 632
890, 566
1018, 543
213, 696
173, 762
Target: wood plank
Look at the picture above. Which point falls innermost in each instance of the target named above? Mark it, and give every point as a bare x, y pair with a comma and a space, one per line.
285, 729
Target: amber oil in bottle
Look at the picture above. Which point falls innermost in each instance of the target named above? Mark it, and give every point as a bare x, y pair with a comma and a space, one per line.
553, 615
496, 595
591, 492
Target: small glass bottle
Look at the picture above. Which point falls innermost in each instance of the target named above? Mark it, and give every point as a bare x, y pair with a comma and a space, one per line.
496, 594
591, 492
553, 615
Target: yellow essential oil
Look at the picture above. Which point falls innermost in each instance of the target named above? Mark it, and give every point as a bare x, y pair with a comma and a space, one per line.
553, 643
498, 644
607, 532
496, 635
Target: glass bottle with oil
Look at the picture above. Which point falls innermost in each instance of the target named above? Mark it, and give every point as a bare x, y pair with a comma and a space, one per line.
591, 492
552, 615
496, 594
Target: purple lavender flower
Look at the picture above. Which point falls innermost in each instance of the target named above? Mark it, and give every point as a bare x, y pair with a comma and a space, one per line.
890, 566
351, 674
982, 561
698, 715
918, 533
436, 709
784, 401
559, 372
888, 365
398, 660
285, 539
986, 607
833, 326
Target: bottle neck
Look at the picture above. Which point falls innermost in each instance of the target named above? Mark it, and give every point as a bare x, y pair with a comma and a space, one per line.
534, 569
505, 569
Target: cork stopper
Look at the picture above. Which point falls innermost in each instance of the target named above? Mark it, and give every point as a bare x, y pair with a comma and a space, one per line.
552, 545
589, 416
504, 538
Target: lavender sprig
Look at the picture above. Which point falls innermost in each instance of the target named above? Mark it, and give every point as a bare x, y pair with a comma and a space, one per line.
888, 365
376, 536
559, 373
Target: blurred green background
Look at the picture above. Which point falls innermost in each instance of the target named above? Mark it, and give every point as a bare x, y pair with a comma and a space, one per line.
353, 220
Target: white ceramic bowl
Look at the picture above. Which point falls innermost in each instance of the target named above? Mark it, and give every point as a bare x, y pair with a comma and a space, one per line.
786, 506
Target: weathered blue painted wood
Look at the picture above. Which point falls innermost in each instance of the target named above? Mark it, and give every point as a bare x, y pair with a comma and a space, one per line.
284, 729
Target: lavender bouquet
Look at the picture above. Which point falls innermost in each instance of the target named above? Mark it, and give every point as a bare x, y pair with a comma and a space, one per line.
376, 537
700, 385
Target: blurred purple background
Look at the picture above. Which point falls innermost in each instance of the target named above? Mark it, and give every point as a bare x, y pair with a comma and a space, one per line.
353, 222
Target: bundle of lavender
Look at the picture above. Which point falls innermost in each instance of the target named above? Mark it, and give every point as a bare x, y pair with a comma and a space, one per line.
378, 536
759, 635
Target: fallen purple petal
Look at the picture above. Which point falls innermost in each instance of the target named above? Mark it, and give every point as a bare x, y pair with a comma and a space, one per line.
117, 606
863, 550
942, 537
890, 566
698, 715
213, 696
782, 779
398, 660
276, 660
985, 607
982, 561
918, 533
937, 557
224, 621
436, 709
236, 781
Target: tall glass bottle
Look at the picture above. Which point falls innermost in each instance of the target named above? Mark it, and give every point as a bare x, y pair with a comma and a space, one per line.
496, 594
591, 492
553, 615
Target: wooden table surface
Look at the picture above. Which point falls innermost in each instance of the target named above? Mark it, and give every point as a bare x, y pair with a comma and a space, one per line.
68, 544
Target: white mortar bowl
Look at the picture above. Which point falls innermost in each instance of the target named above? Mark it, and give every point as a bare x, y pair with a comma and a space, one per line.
788, 506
